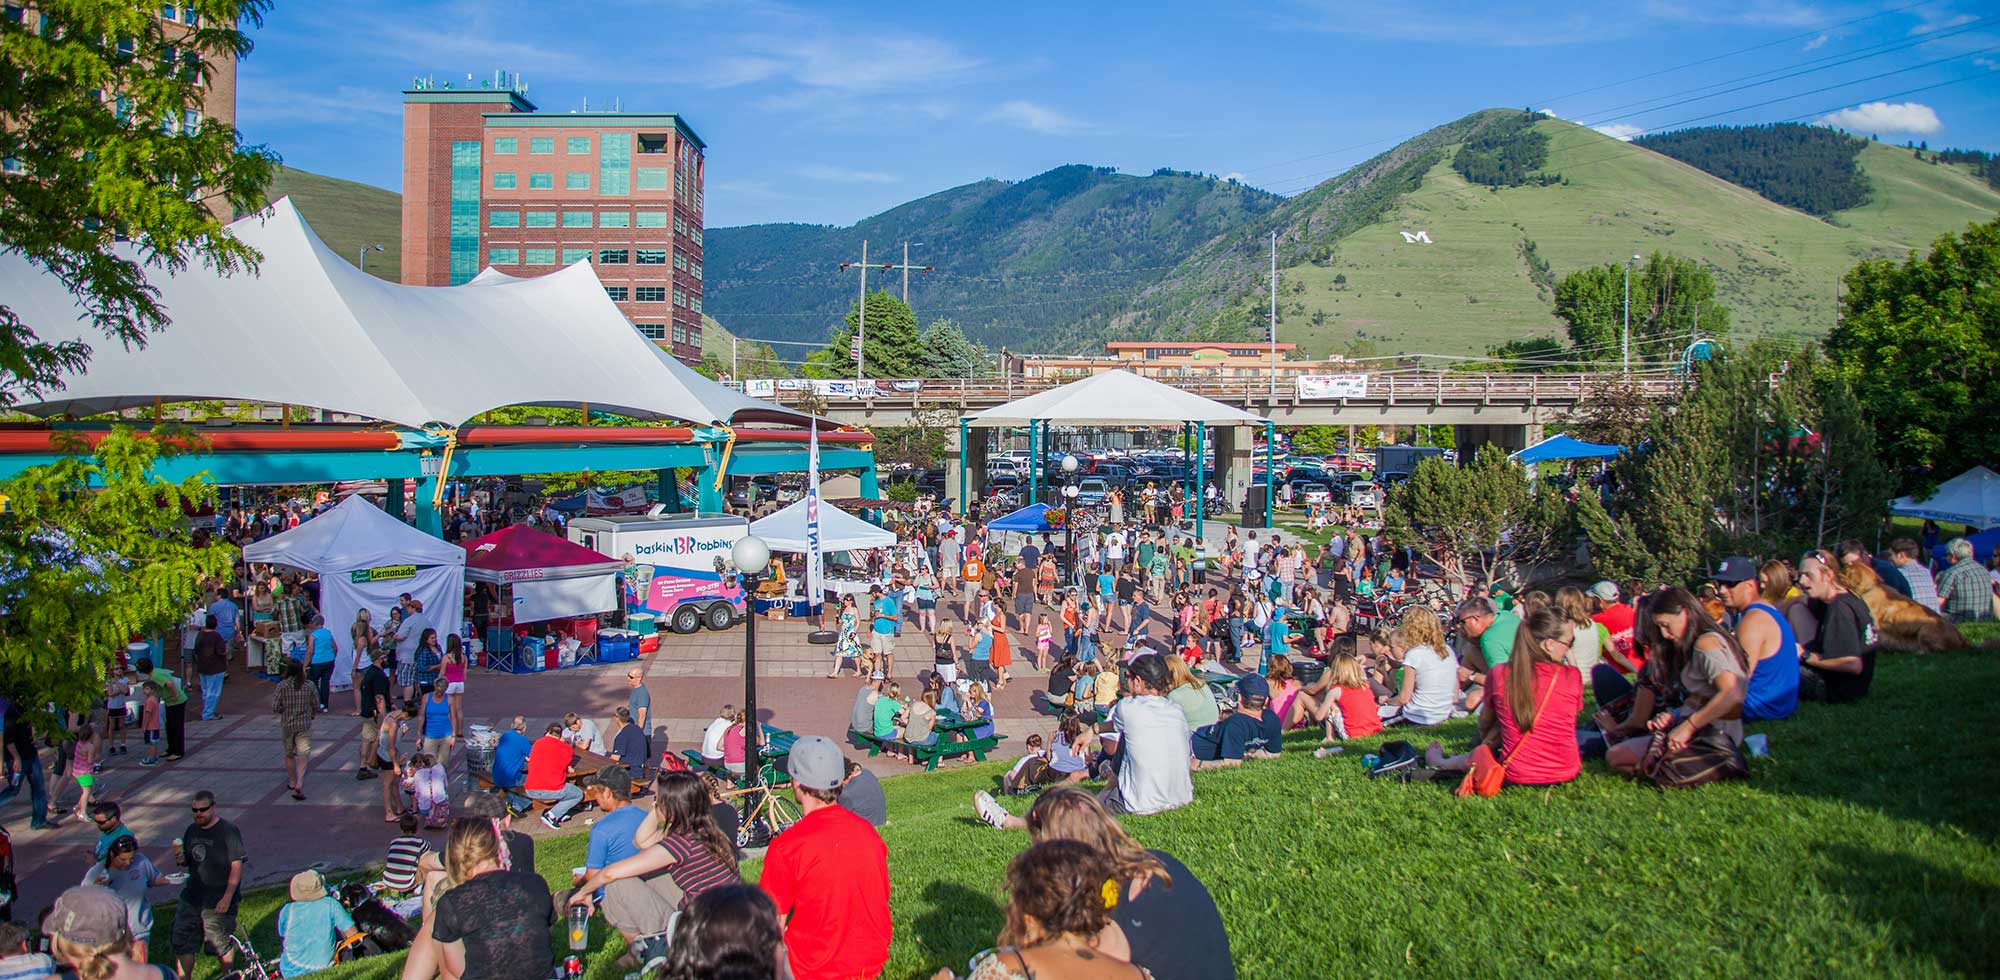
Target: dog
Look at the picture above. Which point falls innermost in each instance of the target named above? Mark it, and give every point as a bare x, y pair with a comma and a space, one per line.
386, 931
1901, 622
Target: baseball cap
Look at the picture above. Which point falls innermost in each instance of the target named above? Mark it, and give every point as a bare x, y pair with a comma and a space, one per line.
1253, 686
1734, 569
817, 763
1605, 589
88, 916
308, 886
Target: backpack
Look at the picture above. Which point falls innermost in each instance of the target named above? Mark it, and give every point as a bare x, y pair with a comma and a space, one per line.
1397, 759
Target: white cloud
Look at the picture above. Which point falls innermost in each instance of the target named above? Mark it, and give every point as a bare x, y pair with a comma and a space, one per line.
1930, 26
1987, 63
1035, 117
1885, 117
265, 100
1235, 175
843, 175
1817, 43
1620, 131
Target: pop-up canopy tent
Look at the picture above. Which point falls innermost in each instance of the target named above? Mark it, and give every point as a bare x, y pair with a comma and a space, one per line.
1565, 447
366, 560
1971, 498
1028, 520
550, 578
838, 530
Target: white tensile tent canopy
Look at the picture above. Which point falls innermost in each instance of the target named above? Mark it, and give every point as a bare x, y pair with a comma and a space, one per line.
365, 560
307, 328
1113, 398
1971, 498
838, 530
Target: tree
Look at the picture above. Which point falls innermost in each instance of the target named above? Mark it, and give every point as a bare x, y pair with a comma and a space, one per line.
1484, 519
890, 346
97, 169
1610, 413
1919, 344
946, 353
920, 444
1530, 354
93, 551
1672, 300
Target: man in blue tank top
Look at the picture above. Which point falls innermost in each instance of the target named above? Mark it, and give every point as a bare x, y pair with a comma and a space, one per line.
1767, 641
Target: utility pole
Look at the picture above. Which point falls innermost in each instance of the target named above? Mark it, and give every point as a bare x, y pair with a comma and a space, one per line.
1274, 314
906, 267
861, 312
734, 371
1626, 334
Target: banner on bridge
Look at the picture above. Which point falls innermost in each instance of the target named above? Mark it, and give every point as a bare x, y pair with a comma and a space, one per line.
830, 387
1332, 385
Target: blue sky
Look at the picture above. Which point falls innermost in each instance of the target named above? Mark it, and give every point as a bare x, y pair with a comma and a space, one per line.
829, 112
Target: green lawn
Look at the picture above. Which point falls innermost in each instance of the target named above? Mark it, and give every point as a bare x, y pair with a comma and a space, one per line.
1863, 846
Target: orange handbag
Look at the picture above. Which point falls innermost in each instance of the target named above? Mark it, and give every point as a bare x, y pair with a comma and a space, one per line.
1488, 772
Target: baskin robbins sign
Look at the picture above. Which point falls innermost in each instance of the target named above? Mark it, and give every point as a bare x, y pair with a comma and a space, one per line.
685, 544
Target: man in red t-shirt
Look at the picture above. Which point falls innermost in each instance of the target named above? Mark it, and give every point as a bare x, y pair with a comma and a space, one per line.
1621, 655
547, 778
829, 875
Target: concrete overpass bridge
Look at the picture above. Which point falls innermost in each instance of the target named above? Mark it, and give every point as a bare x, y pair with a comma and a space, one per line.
1507, 410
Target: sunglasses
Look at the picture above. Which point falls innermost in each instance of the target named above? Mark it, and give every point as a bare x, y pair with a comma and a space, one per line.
202, 809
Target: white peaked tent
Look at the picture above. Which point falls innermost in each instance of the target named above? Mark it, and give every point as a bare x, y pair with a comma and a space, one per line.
365, 560
1971, 498
1113, 398
307, 328
838, 530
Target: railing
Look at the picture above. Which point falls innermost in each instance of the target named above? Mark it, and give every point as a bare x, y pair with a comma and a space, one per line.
1387, 387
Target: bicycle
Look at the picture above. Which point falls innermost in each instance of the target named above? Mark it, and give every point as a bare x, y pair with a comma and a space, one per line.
777, 813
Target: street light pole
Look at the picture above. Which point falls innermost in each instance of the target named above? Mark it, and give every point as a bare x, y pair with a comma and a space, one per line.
751, 556
363, 260
1626, 335
1069, 493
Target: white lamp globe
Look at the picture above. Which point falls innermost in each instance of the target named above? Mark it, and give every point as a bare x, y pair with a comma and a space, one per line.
1069, 464
1070, 491
750, 554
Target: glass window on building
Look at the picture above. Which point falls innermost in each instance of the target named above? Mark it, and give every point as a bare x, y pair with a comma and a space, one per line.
652, 256
614, 219
680, 226
190, 121
541, 144
652, 178
617, 293
541, 182
650, 294
539, 256
503, 219
579, 144
169, 12
652, 219
571, 256
652, 331
540, 219
503, 256
613, 256
463, 258
650, 143
577, 219
695, 305
680, 334
576, 181
504, 181
695, 267
694, 336
614, 163
680, 262
506, 144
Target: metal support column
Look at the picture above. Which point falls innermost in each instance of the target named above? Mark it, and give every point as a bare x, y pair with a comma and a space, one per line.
1201, 485
427, 518
392, 501
871, 485
669, 489
964, 447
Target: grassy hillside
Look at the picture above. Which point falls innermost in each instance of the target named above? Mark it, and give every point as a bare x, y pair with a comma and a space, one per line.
1777, 268
347, 216
1014, 260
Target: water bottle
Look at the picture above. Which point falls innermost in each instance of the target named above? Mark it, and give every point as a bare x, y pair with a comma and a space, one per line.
1369, 761
579, 928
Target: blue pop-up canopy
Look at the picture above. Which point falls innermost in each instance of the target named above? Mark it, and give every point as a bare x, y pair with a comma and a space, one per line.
1565, 447
1028, 520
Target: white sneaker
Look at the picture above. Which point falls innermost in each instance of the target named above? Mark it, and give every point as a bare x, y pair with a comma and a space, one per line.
989, 809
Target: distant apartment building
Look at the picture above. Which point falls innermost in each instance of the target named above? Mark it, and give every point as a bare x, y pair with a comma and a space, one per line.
488, 180
1167, 360
218, 88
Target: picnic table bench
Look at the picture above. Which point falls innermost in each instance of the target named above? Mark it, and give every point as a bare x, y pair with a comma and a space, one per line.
777, 746
583, 767
954, 739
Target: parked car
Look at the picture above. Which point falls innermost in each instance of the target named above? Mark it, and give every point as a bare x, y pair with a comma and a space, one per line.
1365, 494
1092, 491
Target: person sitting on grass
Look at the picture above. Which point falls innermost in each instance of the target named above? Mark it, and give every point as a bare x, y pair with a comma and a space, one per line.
1430, 679
1060, 899
1285, 685
18, 963
1839, 664
1529, 721
1191, 695
1153, 759
311, 925
679, 836
1066, 761
1252, 731
406, 855
731, 931
1341, 701
491, 921
1703, 738
1104, 687
88, 935
861, 794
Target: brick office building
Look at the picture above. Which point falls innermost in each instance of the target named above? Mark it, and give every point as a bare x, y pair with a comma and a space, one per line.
490, 181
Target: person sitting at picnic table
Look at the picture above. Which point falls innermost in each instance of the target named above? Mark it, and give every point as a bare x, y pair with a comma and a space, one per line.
977, 709
547, 779
919, 725
629, 743
1529, 722
312, 925
711, 737
1252, 731
583, 733
510, 762
888, 704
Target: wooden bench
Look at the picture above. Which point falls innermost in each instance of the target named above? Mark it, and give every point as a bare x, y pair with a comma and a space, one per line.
931, 755
696, 763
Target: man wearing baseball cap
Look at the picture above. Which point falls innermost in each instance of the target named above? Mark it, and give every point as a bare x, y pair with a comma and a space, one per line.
1252, 731
1620, 656
88, 923
829, 874
1767, 641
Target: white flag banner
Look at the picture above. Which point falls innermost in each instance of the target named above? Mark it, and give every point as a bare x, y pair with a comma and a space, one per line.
815, 563
1332, 385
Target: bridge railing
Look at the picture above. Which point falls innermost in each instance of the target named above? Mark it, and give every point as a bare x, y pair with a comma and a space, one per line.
1381, 387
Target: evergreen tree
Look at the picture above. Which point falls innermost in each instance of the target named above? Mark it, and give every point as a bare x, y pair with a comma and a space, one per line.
946, 353
1812, 168
890, 345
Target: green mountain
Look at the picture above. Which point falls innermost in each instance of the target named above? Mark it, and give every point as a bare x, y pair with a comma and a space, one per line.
1349, 278
348, 216
1014, 260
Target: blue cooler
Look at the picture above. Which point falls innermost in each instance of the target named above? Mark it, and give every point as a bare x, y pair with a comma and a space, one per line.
530, 660
617, 646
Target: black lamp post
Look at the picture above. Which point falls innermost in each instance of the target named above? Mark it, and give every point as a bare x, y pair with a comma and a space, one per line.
752, 557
